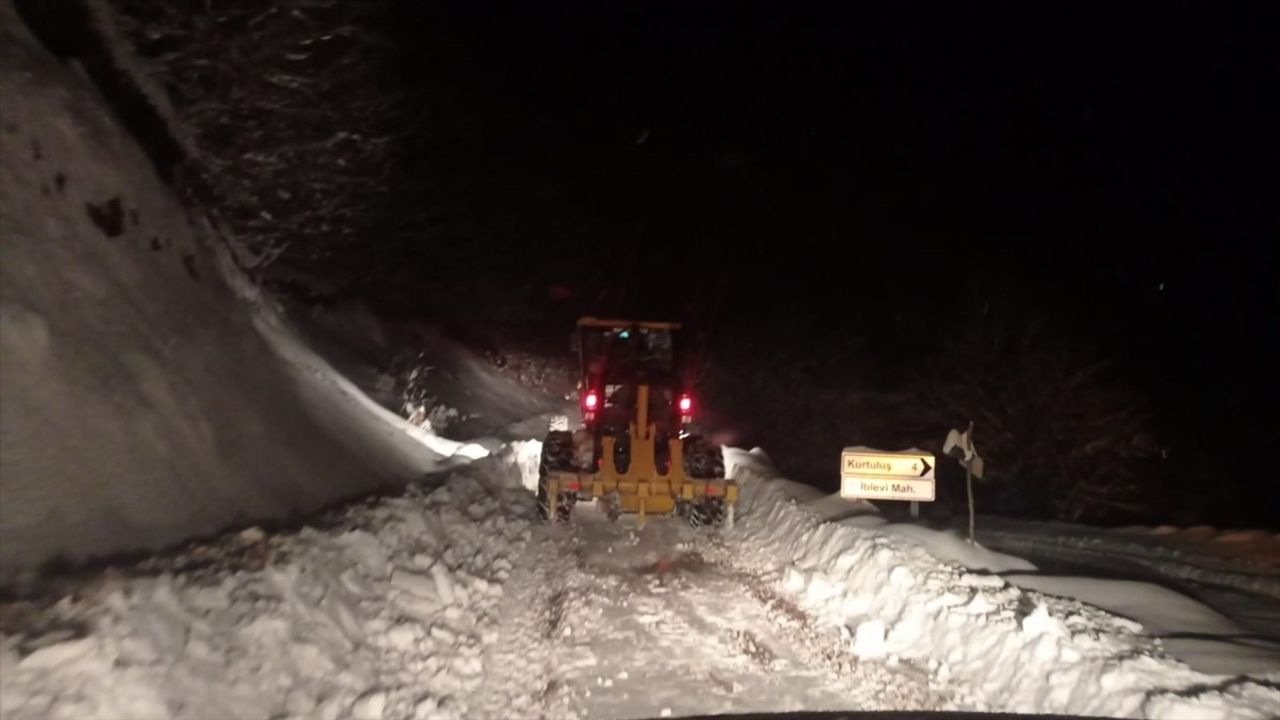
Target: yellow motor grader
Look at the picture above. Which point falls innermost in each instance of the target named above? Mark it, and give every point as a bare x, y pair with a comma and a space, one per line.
634, 452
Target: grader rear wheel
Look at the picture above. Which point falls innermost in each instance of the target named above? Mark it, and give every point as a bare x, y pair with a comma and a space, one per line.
557, 455
703, 460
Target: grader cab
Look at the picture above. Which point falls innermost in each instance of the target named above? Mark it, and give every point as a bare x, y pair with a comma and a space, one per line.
635, 452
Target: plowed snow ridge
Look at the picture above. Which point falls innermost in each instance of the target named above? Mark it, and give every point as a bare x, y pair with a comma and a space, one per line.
455, 601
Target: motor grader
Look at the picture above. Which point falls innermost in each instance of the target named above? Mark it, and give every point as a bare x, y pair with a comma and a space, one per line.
635, 451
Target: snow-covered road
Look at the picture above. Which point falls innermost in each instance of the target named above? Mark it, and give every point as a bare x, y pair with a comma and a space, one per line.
444, 604
452, 600
653, 621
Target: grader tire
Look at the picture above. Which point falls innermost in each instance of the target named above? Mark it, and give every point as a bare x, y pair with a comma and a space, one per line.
704, 461
557, 456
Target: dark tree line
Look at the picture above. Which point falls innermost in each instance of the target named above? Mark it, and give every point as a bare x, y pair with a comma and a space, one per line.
1062, 430
340, 151
291, 134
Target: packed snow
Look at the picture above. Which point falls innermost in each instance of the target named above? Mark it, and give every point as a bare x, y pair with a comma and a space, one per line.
1001, 647
453, 600
1195, 633
446, 596
1198, 635
393, 609
1245, 560
1213, 597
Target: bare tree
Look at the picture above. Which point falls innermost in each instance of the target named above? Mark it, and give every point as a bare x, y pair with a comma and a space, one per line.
291, 118
1061, 435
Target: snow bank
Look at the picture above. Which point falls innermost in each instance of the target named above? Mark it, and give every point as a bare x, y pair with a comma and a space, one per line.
390, 612
950, 546
1190, 630
998, 647
1194, 633
1247, 560
145, 401
456, 389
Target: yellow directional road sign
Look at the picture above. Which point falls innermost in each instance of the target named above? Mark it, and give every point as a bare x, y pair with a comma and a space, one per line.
886, 476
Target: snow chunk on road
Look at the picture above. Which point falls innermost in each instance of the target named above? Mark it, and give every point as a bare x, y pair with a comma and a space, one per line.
868, 641
369, 707
1040, 622
52, 656
528, 458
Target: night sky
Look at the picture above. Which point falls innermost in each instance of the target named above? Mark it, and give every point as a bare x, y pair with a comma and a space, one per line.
1097, 153
866, 167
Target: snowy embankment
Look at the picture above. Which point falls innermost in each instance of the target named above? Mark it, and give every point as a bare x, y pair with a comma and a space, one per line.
998, 646
150, 395
391, 609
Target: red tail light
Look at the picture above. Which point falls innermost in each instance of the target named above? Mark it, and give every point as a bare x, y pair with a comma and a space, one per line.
686, 405
591, 400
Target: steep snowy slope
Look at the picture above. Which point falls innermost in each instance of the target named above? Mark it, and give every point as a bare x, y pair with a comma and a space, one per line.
140, 401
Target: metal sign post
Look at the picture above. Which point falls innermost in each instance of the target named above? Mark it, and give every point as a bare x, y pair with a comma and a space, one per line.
959, 445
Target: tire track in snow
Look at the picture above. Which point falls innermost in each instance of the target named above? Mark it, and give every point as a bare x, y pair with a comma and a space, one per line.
642, 622
911, 687
524, 668
519, 677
